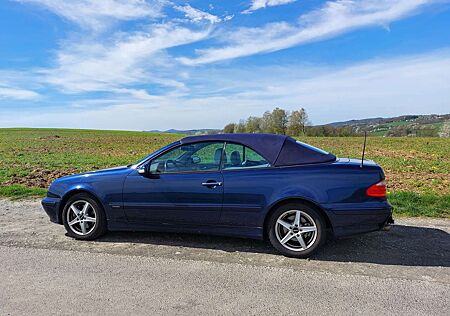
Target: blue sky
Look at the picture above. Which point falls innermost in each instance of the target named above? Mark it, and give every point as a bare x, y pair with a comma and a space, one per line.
157, 64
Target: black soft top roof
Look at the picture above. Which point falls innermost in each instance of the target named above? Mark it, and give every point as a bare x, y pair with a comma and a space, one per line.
279, 150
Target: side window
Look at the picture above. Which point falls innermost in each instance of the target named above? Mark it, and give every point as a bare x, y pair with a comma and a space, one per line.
205, 156
241, 157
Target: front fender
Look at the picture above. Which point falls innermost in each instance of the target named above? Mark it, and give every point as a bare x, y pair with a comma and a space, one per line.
109, 197
82, 187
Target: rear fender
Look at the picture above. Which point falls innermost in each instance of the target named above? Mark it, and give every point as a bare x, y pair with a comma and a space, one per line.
301, 193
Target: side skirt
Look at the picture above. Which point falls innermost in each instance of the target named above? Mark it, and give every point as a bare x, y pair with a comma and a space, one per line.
232, 231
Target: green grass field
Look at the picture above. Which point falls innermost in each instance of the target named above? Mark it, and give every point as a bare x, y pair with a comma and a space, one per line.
417, 169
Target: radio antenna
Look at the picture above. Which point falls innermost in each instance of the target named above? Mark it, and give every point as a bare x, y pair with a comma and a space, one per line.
364, 149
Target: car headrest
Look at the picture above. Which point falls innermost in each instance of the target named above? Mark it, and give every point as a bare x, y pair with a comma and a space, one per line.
218, 156
235, 158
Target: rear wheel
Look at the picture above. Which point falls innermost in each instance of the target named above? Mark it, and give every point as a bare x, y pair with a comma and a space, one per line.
296, 230
83, 217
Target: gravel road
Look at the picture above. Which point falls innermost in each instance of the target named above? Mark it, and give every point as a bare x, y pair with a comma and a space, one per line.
404, 271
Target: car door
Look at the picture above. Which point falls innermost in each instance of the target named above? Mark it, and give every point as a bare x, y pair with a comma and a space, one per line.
185, 185
249, 183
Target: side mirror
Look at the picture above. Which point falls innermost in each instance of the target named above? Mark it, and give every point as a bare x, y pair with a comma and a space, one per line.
145, 172
196, 159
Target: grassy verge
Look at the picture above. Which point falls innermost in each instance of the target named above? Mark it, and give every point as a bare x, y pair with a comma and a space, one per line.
20, 192
406, 204
424, 205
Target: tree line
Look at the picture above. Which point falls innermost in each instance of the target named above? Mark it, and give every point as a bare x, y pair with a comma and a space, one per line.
280, 121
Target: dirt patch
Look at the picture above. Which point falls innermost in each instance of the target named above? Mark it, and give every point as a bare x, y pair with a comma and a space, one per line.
50, 137
417, 181
38, 178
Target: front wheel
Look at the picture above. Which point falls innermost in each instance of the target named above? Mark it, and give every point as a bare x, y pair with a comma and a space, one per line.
83, 217
296, 230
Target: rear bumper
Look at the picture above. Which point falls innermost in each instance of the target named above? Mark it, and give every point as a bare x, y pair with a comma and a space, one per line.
361, 219
51, 207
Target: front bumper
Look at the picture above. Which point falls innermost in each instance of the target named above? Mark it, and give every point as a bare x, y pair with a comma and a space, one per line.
51, 207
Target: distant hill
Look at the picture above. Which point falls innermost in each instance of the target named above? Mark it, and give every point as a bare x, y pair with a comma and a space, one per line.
405, 125
433, 125
190, 131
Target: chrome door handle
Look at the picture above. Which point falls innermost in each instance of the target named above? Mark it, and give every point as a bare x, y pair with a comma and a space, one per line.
212, 184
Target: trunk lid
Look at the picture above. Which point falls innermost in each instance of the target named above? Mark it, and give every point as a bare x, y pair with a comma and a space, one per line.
357, 162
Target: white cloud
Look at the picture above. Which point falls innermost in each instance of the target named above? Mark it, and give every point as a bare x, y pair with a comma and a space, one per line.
17, 94
261, 4
130, 58
116, 60
90, 63
334, 18
16, 85
411, 84
228, 17
196, 15
98, 14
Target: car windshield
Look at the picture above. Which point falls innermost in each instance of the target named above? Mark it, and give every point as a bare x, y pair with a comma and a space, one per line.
153, 154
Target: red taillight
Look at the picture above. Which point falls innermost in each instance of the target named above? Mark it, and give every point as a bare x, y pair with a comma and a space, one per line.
377, 190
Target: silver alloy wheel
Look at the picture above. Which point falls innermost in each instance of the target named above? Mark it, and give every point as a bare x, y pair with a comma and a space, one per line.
296, 230
81, 217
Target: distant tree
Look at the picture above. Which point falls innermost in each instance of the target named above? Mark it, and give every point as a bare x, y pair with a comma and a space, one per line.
265, 123
240, 127
229, 128
327, 130
297, 122
312, 131
304, 120
253, 125
345, 131
279, 120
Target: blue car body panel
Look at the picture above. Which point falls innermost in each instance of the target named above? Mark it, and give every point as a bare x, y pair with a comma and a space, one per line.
173, 198
239, 207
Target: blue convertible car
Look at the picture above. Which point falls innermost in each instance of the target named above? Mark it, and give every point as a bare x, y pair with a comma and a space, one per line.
246, 185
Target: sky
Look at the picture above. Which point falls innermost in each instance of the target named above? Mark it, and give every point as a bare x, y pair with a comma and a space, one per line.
157, 64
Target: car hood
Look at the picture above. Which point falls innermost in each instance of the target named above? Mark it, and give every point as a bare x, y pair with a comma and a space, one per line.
108, 170
101, 172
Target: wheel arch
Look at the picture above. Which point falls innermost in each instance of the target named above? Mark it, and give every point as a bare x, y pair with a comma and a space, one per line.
301, 200
71, 193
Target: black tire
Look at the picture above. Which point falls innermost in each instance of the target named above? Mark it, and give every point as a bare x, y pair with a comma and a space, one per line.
312, 242
96, 230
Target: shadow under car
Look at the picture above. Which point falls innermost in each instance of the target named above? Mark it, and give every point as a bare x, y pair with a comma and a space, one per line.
403, 245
